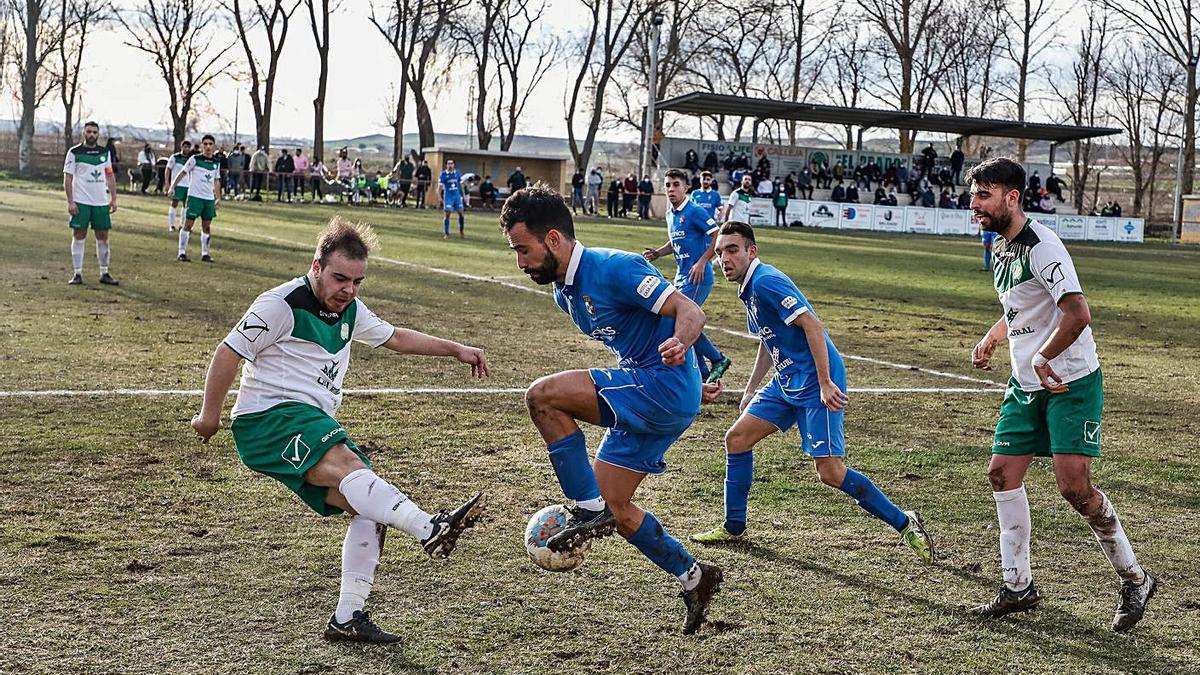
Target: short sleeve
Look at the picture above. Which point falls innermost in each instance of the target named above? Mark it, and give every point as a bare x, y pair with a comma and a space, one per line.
69, 163
108, 169
635, 282
782, 296
265, 323
1054, 269
369, 329
189, 164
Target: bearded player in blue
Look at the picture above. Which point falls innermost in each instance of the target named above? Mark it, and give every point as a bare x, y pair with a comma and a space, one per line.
691, 236
450, 189
647, 402
807, 391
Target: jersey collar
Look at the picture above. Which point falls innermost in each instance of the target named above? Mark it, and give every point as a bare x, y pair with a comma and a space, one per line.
573, 266
749, 273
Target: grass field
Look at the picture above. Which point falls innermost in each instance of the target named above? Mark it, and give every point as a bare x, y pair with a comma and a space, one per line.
131, 547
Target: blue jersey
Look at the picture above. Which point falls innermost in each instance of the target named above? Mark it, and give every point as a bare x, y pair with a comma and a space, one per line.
614, 297
709, 200
772, 302
452, 182
690, 229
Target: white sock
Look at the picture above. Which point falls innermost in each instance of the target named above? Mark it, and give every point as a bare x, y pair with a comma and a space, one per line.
1107, 528
204, 239
184, 236
360, 557
77, 251
1012, 508
596, 504
691, 578
380, 501
171, 216
103, 253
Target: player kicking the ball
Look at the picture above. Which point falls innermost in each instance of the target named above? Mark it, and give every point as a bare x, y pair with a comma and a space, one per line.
807, 391
296, 338
646, 403
1054, 398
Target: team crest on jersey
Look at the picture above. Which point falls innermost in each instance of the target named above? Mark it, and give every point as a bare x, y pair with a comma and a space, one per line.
252, 326
345, 332
789, 302
591, 309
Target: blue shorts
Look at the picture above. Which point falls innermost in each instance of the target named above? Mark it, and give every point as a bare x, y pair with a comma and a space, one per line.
821, 431
987, 237
453, 203
697, 293
648, 409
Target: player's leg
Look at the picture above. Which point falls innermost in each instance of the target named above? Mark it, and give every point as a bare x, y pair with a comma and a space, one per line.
205, 239
705, 349
555, 402
79, 228
171, 215
462, 222
740, 440
185, 232
360, 557
104, 253
446, 208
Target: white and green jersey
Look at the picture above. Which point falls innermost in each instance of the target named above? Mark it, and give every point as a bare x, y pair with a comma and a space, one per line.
90, 167
297, 351
175, 164
1033, 272
202, 175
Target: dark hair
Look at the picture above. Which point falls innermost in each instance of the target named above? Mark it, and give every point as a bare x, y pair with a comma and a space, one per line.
744, 229
91, 123
998, 172
185, 142
540, 208
354, 240
676, 173
208, 137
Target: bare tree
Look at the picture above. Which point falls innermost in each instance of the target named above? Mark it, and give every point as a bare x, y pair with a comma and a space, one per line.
1033, 30
37, 36
1173, 26
274, 18
319, 12
474, 34
77, 20
6, 42
973, 77
741, 40
612, 29
523, 59
1079, 94
801, 53
177, 35
852, 69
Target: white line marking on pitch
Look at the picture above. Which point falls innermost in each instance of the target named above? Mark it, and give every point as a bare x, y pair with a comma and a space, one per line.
379, 391
527, 289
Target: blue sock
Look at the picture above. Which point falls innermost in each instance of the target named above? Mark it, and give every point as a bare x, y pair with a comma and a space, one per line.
446, 225
569, 458
705, 349
739, 475
661, 548
865, 494
462, 222
987, 258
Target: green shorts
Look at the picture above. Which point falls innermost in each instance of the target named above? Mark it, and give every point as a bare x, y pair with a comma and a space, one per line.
180, 193
96, 216
287, 440
204, 209
1044, 424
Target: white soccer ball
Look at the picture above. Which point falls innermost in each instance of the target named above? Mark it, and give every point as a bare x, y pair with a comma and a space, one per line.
545, 524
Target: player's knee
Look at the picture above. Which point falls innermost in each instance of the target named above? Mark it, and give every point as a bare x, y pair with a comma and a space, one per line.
337, 463
996, 478
831, 471
1078, 493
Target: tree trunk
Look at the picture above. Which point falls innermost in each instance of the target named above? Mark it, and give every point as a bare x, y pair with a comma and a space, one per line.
1189, 134
424, 121
398, 124
25, 130
69, 125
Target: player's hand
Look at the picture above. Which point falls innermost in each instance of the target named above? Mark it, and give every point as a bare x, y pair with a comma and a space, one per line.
673, 352
745, 402
475, 358
217, 204
696, 274
981, 355
650, 254
205, 428
832, 397
711, 391
112, 206
1050, 380
73, 208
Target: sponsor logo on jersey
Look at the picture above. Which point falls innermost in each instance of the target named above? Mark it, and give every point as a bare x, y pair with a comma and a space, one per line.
1027, 330
252, 326
345, 331
779, 365
1052, 274
1012, 314
328, 378
331, 434
789, 302
604, 334
649, 283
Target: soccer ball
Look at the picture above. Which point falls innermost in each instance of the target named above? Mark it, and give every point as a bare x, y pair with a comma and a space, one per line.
545, 524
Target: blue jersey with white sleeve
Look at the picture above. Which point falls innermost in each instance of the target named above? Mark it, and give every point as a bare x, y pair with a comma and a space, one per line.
452, 182
690, 229
709, 200
772, 303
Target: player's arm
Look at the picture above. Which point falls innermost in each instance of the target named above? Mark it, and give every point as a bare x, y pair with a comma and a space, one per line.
814, 333
981, 355
69, 188
689, 321
406, 341
653, 254
175, 181
696, 274
221, 371
1076, 316
110, 179
762, 364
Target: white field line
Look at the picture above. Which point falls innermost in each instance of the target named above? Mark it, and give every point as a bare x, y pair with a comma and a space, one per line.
382, 391
527, 289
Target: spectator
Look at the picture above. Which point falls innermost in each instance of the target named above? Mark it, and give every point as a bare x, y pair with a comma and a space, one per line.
222, 159
237, 166
804, 183
111, 147
1046, 204
729, 163
823, 182
691, 161
891, 200
260, 164
345, 168
901, 175
946, 177
594, 180
1054, 185
956, 165
789, 185
839, 172
299, 173
928, 199
487, 192
874, 173
645, 193
628, 194
880, 196
839, 192
316, 178
735, 176
516, 180
852, 194
695, 182
614, 195
160, 170
146, 166
859, 176
928, 159
766, 188
404, 170
964, 200
1035, 182
1116, 209
577, 183
284, 168
945, 200
780, 201
764, 166
424, 175
711, 163
742, 162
